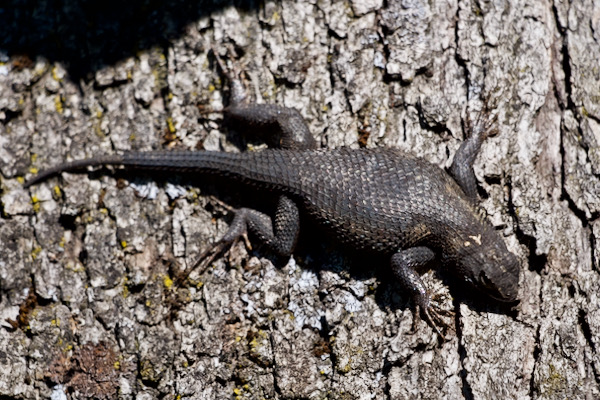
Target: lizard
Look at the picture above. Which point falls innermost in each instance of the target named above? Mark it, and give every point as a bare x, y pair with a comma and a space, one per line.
379, 200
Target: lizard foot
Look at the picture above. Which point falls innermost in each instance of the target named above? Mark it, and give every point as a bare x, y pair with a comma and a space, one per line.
237, 230
205, 258
232, 75
434, 315
484, 125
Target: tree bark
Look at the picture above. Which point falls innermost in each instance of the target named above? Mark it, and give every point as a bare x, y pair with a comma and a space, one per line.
88, 303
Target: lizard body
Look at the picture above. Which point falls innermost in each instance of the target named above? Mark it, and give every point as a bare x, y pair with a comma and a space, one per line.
379, 200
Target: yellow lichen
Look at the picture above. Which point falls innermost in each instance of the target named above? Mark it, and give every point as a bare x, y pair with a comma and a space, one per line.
125, 288
98, 130
584, 112
55, 74
346, 368
167, 281
58, 104
147, 371
35, 201
171, 125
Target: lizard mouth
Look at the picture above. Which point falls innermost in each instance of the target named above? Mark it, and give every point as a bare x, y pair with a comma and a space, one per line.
495, 292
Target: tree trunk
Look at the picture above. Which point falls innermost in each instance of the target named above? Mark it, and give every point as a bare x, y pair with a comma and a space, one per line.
89, 304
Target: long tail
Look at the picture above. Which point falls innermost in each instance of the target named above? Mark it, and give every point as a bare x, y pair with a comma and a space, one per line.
255, 167
74, 166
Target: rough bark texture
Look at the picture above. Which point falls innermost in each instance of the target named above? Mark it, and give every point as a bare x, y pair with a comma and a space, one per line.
88, 308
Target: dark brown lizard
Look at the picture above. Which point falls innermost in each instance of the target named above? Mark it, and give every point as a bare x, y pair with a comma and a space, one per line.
378, 200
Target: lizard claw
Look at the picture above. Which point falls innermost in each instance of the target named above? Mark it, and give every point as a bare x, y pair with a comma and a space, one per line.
205, 258
205, 109
232, 74
484, 125
236, 231
202, 262
434, 315
222, 204
247, 243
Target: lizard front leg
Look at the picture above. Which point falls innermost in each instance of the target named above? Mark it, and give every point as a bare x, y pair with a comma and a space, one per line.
280, 233
462, 166
405, 264
286, 124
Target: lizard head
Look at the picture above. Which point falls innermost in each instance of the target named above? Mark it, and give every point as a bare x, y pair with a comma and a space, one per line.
486, 264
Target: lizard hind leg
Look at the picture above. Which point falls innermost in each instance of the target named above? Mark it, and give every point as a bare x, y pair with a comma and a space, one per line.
237, 90
278, 234
285, 123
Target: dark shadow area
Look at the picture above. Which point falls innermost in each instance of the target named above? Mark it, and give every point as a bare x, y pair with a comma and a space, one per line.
86, 35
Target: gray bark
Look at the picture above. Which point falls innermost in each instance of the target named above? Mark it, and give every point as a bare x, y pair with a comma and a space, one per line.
86, 260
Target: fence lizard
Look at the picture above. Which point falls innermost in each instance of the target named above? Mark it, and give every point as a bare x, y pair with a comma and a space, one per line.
379, 200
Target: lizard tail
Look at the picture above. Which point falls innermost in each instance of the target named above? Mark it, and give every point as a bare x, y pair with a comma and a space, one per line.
254, 167
74, 166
